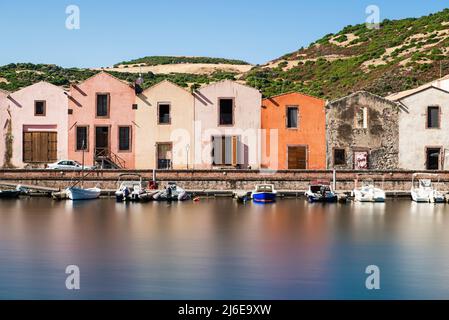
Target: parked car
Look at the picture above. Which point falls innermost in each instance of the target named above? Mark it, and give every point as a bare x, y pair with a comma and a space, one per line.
68, 165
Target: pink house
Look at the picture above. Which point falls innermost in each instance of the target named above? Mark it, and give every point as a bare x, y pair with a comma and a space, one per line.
34, 125
101, 121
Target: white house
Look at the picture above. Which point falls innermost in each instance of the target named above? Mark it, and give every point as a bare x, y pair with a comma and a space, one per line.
424, 127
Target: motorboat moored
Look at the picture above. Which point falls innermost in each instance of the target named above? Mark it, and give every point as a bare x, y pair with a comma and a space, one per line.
130, 187
423, 190
9, 194
321, 191
368, 192
264, 193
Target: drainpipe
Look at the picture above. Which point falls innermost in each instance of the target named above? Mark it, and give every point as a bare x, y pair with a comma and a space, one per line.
194, 130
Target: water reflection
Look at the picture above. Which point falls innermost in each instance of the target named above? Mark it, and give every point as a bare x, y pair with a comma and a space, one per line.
221, 249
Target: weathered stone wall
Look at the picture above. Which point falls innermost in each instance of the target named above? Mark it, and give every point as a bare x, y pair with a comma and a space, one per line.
380, 139
220, 180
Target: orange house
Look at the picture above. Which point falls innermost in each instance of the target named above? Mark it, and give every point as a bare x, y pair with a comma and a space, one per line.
294, 128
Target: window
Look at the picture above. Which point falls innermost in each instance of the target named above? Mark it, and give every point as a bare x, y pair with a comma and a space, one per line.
433, 158
164, 156
124, 138
81, 138
292, 117
361, 118
339, 157
39, 108
433, 117
102, 105
226, 112
164, 113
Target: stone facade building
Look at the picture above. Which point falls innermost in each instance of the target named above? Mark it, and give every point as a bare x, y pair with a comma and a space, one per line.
362, 133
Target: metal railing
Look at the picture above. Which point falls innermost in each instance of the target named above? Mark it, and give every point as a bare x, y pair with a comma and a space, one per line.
102, 154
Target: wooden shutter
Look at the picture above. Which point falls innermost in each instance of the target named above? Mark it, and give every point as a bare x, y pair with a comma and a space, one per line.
27, 147
52, 147
234, 151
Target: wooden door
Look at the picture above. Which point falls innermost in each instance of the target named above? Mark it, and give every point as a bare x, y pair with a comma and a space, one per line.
40, 147
297, 157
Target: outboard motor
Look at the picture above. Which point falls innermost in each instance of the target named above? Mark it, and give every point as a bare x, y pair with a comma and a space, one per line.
168, 191
126, 193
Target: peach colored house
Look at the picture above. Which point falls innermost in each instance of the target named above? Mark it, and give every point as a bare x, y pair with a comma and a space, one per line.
299, 122
227, 126
164, 133
101, 121
35, 123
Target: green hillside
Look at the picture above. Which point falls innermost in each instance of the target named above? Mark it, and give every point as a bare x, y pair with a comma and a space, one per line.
16, 76
400, 55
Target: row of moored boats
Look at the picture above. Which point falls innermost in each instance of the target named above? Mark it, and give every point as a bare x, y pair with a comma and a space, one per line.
423, 190
131, 188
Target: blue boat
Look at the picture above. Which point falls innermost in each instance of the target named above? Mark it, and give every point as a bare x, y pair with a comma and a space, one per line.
321, 191
264, 193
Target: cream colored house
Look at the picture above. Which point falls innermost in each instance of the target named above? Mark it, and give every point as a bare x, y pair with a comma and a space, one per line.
164, 128
424, 128
227, 126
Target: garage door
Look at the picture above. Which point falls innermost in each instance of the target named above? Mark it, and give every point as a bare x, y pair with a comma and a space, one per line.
297, 158
40, 147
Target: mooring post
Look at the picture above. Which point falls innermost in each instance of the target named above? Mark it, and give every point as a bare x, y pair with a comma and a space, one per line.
334, 179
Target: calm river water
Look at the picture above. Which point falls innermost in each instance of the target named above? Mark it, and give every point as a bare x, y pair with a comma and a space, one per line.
218, 249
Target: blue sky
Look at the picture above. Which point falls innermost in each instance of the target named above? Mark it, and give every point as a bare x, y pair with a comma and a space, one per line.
113, 31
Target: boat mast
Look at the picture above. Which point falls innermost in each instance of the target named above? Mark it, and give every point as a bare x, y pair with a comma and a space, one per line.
82, 167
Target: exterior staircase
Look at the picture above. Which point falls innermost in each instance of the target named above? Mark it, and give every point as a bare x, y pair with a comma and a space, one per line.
106, 159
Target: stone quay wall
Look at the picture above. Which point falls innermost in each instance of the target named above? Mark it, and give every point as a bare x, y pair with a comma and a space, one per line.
220, 180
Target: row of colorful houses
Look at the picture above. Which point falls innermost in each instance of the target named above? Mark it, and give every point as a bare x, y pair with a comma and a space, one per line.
113, 124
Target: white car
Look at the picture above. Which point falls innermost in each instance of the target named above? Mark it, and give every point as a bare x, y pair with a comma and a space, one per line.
68, 165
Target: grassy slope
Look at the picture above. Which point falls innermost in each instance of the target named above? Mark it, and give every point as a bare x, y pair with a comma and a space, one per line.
390, 59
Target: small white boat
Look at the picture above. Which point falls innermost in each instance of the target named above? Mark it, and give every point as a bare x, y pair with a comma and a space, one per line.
83, 194
264, 193
368, 192
423, 190
129, 189
321, 191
